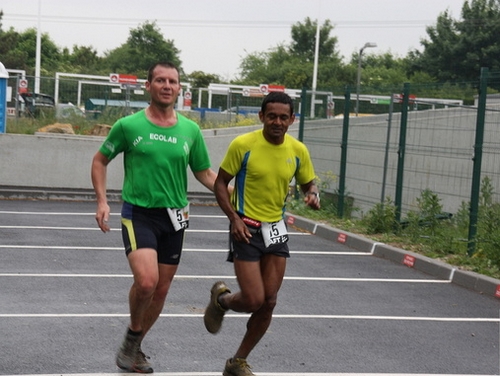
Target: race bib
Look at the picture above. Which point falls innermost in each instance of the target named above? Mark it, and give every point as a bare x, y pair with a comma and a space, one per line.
274, 233
179, 217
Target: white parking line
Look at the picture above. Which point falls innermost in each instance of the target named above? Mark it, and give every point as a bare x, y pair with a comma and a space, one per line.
260, 374
205, 250
92, 214
275, 316
59, 228
214, 277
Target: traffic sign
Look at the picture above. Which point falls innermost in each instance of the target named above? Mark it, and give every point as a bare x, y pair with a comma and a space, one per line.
271, 88
187, 99
23, 85
118, 78
266, 89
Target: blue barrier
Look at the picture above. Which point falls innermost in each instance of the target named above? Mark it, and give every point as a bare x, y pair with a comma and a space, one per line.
4, 76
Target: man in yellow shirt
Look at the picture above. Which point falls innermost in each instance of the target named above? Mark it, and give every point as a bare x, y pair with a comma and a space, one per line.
263, 163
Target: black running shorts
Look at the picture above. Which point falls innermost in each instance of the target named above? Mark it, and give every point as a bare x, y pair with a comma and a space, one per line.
256, 249
151, 228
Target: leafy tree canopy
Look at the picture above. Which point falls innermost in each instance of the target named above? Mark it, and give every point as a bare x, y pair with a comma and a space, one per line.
454, 50
304, 41
201, 79
457, 49
144, 46
19, 50
81, 59
292, 65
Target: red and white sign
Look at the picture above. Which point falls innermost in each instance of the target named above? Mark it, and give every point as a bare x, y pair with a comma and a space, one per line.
409, 261
497, 292
266, 89
291, 220
398, 98
187, 99
23, 86
271, 88
342, 238
117, 78
252, 92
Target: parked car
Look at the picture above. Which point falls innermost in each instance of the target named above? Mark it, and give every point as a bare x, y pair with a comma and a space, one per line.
36, 105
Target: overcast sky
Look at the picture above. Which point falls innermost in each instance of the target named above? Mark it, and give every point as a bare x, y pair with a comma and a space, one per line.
214, 35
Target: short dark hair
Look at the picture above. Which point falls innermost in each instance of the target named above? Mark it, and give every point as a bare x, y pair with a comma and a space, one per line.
165, 64
277, 97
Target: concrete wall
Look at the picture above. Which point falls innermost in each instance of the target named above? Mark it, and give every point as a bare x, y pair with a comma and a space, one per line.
63, 161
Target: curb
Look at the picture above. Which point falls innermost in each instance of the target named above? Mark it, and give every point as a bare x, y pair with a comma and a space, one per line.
469, 280
68, 194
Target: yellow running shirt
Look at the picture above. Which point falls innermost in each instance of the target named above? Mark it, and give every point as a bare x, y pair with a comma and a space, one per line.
263, 172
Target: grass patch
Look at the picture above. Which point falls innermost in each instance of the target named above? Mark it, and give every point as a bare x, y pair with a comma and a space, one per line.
426, 230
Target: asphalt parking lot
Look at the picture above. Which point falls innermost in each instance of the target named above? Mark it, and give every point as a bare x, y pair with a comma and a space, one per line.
64, 308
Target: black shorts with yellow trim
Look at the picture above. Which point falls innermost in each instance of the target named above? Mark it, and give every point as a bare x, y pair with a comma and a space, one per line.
151, 228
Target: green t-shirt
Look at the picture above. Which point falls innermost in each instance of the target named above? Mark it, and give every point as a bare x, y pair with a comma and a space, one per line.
156, 159
263, 172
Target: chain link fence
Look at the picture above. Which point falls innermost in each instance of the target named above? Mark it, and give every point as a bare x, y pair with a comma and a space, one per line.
401, 143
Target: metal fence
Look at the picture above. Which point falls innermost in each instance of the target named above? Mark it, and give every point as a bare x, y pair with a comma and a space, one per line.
407, 145
99, 96
94, 95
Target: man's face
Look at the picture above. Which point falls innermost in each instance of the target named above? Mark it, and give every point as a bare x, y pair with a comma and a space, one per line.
164, 86
276, 119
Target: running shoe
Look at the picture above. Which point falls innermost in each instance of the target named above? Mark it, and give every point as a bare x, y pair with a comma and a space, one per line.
129, 356
142, 364
237, 367
214, 313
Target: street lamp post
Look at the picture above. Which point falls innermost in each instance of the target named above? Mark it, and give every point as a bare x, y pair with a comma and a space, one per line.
367, 45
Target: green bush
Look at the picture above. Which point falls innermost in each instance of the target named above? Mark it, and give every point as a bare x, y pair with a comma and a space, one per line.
381, 218
426, 229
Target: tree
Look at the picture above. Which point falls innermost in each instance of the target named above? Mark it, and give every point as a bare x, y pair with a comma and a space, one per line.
304, 41
144, 46
457, 49
81, 59
382, 70
201, 79
292, 65
12, 57
18, 51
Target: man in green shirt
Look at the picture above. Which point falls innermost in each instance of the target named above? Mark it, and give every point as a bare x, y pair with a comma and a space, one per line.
158, 144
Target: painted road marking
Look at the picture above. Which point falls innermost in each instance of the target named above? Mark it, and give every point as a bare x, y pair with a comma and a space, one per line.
59, 228
276, 316
205, 250
260, 374
92, 214
177, 276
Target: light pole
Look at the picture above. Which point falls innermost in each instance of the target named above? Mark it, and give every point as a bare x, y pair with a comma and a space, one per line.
367, 45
